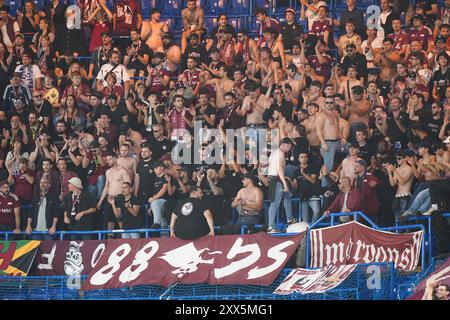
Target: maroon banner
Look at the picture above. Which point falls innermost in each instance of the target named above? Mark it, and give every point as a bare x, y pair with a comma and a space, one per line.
354, 243
71, 258
249, 259
439, 277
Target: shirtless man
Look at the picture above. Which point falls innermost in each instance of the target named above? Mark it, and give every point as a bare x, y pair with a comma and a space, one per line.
276, 47
254, 105
267, 67
387, 59
126, 161
348, 164
345, 87
359, 111
193, 22
402, 177
115, 177
172, 52
222, 85
247, 47
153, 29
248, 201
311, 134
296, 85
327, 127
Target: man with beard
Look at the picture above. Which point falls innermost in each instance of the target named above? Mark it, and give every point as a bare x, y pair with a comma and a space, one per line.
359, 111
9, 208
101, 56
248, 201
158, 76
247, 47
43, 109
194, 50
172, 53
226, 45
144, 174
231, 118
137, 56
119, 70
190, 218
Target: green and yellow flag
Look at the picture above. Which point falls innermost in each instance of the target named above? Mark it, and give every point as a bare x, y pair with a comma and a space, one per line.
16, 257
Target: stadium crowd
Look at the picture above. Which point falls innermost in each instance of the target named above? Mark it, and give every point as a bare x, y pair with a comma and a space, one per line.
361, 107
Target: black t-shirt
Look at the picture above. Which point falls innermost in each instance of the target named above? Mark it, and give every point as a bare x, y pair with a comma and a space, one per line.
191, 222
290, 32
116, 115
146, 176
301, 146
359, 61
366, 152
142, 49
199, 53
179, 193
159, 183
232, 183
58, 141
394, 132
433, 125
200, 116
129, 221
307, 189
160, 148
441, 81
70, 165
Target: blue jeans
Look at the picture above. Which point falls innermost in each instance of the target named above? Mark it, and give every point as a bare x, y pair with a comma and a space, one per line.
97, 189
328, 157
275, 204
42, 237
402, 205
421, 202
315, 207
130, 235
157, 207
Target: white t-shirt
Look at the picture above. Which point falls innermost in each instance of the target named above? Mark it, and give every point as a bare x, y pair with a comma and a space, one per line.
376, 44
6, 40
29, 74
120, 71
41, 224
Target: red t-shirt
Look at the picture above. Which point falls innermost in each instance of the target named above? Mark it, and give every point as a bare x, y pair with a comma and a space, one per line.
24, 189
7, 206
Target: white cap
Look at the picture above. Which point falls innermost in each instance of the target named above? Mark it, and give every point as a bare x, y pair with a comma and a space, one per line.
76, 182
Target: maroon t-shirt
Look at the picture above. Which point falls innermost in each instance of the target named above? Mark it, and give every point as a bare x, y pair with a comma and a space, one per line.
7, 206
126, 15
24, 189
319, 27
400, 39
422, 35
322, 69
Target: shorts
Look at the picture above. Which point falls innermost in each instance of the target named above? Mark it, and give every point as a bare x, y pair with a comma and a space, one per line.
108, 213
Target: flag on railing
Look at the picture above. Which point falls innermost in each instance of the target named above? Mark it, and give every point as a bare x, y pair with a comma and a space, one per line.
16, 257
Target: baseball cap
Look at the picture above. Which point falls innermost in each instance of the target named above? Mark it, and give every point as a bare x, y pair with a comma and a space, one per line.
194, 35
98, 95
158, 164
424, 144
357, 89
213, 49
73, 135
362, 162
3, 182
289, 10
351, 45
